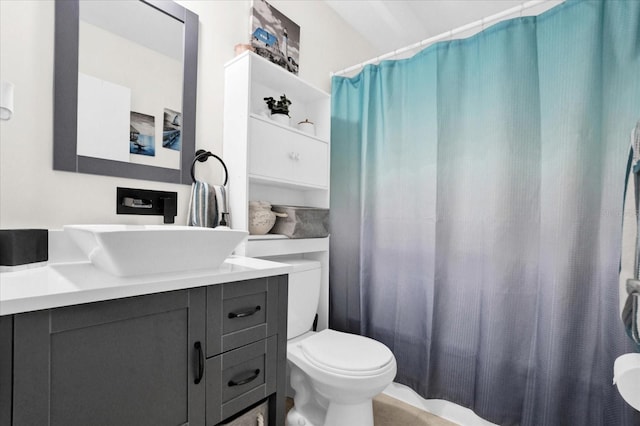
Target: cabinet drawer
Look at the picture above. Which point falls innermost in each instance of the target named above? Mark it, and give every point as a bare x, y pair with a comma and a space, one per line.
244, 312
239, 378
240, 313
286, 155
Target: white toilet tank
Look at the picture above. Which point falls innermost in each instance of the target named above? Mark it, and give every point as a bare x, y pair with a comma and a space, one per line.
304, 295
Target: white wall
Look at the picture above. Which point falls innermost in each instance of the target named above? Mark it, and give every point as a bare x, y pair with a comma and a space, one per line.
32, 194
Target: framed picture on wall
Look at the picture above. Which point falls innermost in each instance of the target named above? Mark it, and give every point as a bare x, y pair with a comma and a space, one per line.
142, 139
171, 130
274, 36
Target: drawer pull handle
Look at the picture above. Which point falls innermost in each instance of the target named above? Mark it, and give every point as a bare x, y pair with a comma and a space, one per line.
249, 379
198, 348
246, 313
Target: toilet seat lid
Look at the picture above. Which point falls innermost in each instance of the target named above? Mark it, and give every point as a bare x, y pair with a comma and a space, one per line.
347, 354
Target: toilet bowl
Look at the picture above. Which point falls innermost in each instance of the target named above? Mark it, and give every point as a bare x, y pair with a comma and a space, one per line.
339, 373
334, 375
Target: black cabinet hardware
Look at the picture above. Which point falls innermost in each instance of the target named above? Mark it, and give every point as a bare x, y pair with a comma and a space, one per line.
246, 313
200, 367
249, 379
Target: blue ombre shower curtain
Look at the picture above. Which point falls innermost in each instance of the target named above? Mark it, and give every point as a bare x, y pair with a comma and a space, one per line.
476, 210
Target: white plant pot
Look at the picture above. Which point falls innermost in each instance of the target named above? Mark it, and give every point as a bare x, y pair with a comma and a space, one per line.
281, 118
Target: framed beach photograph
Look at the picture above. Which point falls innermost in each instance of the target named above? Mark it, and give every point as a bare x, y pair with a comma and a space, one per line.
142, 140
274, 36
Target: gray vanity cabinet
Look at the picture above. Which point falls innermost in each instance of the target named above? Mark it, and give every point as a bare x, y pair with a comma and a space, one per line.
188, 357
6, 369
121, 362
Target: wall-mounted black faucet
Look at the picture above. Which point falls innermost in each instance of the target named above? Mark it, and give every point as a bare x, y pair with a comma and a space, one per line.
147, 202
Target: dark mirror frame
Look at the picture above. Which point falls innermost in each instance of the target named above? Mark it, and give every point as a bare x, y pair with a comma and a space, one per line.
65, 105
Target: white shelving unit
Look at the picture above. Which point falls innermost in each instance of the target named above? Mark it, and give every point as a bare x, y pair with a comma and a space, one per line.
269, 161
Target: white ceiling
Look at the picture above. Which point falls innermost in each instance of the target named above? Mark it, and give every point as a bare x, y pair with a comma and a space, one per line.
392, 24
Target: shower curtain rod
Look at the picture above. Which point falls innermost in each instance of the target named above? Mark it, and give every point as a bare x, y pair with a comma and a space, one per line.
446, 35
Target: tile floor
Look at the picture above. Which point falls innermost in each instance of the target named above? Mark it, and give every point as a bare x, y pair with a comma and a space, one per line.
388, 411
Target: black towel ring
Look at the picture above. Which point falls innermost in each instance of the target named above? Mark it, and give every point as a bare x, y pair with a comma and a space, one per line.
202, 156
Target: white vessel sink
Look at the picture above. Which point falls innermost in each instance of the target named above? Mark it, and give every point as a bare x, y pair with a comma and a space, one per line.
126, 250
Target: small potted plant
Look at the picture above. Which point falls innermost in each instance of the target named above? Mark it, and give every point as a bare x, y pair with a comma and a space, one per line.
279, 109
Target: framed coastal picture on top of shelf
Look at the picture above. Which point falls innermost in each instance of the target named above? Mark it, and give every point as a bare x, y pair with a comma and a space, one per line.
274, 36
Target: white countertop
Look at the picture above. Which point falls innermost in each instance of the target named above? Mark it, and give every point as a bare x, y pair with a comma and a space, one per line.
71, 283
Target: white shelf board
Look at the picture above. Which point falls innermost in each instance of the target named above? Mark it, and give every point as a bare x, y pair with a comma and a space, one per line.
278, 247
285, 183
285, 127
266, 72
267, 237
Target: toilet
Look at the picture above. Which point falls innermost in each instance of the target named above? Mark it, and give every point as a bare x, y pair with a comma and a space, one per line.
334, 375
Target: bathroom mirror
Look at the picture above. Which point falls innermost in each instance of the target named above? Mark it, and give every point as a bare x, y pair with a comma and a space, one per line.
125, 88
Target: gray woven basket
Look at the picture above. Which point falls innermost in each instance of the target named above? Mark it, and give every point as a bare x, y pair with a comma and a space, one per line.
301, 222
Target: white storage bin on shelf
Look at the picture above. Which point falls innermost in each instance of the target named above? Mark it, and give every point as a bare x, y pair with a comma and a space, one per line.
274, 162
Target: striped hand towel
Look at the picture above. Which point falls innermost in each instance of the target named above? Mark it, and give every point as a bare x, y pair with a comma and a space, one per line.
207, 205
